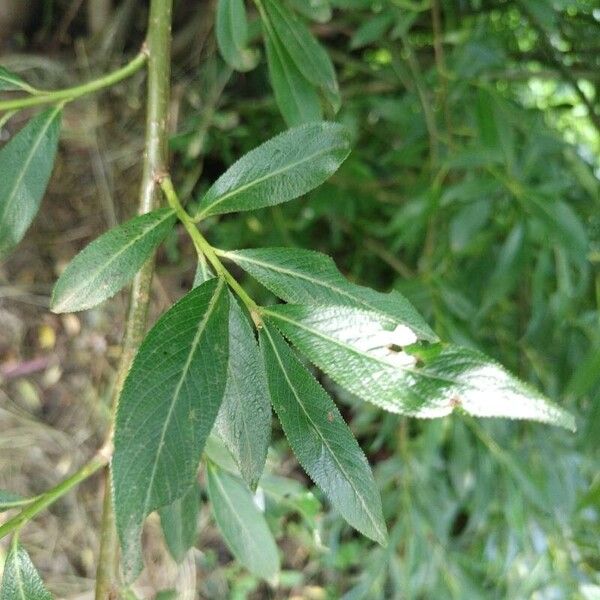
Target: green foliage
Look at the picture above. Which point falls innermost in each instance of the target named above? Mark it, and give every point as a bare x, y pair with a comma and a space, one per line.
232, 35
167, 408
306, 277
320, 439
244, 421
372, 357
242, 525
99, 271
20, 580
10, 500
465, 201
179, 521
284, 168
26, 164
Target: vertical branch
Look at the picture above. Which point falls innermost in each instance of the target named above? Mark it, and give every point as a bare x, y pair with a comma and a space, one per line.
155, 161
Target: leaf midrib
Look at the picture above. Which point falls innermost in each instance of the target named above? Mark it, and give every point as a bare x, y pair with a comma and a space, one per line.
66, 300
323, 439
259, 180
42, 133
201, 327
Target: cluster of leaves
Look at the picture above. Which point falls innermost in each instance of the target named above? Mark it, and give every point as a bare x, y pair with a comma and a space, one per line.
500, 212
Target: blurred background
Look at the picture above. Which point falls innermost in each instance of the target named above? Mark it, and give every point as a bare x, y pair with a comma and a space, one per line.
473, 188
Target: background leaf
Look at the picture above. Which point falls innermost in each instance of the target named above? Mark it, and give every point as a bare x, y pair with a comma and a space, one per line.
296, 97
287, 166
10, 500
169, 402
101, 269
323, 443
365, 353
20, 580
179, 522
26, 163
242, 525
303, 276
231, 28
308, 55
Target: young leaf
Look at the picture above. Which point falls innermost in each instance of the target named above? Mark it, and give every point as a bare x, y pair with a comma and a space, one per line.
10, 82
287, 166
306, 277
244, 421
168, 406
308, 55
323, 443
179, 522
20, 580
242, 525
101, 269
296, 97
363, 351
232, 35
26, 165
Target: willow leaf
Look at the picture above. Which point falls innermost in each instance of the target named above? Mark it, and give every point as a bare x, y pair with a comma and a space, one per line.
244, 421
323, 443
101, 269
296, 97
26, 164
303, 276
20, 580
231, 28
179, 522
242, 525
365, 352
168, 406
283, 168
308, 55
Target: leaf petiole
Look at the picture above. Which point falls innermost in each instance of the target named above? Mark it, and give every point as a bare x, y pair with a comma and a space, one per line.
204, 248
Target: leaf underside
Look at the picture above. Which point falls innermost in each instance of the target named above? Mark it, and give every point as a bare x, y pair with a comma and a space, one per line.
363, 351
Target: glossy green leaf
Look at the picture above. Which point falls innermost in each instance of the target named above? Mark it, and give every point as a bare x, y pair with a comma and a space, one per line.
103, 267
244, 421
316, 10
365, 352
20, 580
168, 406
242, 525
323, 443
179, 521
303, 276
231, 28
26, 163
296, 97
10, 82
308, 55
287, 166
10, 500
